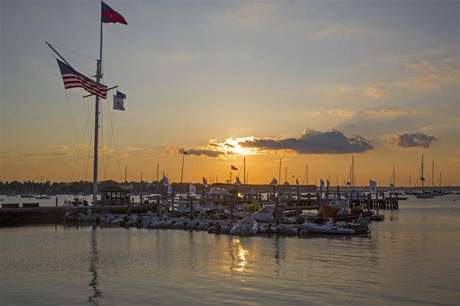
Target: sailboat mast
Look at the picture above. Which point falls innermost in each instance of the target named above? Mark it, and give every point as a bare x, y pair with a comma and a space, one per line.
96, 120
422, 178
279, 176
158, 173
432, 174
244, 170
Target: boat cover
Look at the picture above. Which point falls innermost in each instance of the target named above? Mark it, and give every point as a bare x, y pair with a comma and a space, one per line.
252, 208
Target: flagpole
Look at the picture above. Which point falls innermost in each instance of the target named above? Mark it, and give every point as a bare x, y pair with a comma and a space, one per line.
96, 120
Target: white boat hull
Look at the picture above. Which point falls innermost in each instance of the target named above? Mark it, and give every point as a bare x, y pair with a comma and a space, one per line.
326, 229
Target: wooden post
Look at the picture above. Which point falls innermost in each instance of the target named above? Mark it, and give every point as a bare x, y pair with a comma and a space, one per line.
277, 216
377, 200
172, 199
129, 205
202, 196
338, 192
191, 208
158, 206
56, 201
236, 194
140, 203
231, 208
298, 195
321, 193
369, 201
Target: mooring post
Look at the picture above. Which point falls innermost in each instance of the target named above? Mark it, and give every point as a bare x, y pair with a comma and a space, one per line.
158, 208
129, 206
231, 207
191, 208
56, 201
277, 216
172, 199
298, 195
369, 201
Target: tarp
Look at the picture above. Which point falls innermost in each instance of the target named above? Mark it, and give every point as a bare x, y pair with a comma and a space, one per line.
252, 208
329, 211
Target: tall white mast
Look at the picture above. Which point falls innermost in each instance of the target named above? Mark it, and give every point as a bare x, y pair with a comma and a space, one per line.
96, 120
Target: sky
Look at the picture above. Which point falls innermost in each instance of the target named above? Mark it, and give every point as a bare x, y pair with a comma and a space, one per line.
307, 82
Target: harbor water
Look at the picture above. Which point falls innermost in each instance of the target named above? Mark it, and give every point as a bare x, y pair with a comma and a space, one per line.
410, 258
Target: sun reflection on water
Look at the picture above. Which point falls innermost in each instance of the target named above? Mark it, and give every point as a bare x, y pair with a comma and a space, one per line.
240, 261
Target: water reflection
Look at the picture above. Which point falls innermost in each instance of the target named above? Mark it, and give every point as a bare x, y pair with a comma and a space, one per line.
277, 256
94, 299
240, 261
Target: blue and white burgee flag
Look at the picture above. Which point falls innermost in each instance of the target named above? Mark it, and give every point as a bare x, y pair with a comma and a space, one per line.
274, 182
205, 182
169, 189
321, 182
372, 186
237, 182
119, 101
297, 182
165, 181
392, 188
192, 189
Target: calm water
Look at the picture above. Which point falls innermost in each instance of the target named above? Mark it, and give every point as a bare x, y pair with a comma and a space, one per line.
410, 258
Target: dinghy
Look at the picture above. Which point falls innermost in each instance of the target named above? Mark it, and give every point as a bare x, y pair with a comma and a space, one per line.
328, 228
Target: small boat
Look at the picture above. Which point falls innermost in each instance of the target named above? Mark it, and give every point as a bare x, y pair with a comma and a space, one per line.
377, 217
425, 195
183, 207
76, 201
328, 228
43, 197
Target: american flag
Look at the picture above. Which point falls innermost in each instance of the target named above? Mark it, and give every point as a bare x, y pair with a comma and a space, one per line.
73, 79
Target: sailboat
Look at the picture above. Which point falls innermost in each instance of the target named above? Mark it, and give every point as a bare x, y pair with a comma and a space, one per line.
424, 194
72, 79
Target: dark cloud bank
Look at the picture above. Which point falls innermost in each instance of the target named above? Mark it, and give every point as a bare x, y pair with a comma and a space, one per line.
314, 142
415, 140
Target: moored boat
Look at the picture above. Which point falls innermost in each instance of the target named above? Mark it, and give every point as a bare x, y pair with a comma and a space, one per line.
328, 228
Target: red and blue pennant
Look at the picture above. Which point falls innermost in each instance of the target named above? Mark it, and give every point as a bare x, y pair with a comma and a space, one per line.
110, 16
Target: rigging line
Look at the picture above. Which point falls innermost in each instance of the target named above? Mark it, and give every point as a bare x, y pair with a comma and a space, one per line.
105, 69
102, 155
83, 66
90, 147
115, 143
71, 116
74, 52
241, 167
79, 150
110, 139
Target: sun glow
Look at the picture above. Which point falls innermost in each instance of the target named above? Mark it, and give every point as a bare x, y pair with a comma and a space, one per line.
232, 146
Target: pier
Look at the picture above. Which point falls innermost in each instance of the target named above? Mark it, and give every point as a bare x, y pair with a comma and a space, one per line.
15, 216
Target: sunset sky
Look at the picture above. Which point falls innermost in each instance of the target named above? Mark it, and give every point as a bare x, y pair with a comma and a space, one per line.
309, 82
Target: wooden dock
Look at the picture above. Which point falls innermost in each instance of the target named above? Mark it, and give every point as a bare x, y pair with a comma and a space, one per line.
16, 216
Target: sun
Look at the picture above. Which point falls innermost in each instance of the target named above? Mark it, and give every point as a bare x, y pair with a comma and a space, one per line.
232, 146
